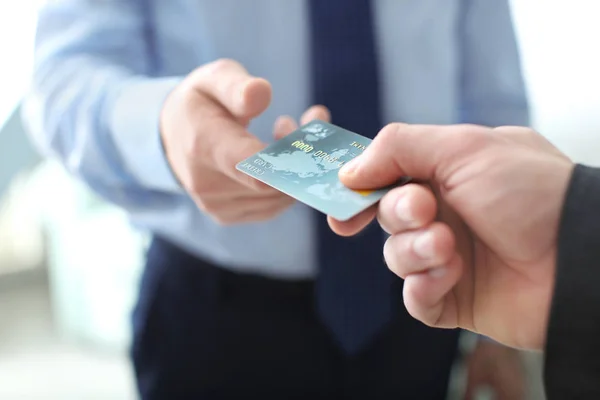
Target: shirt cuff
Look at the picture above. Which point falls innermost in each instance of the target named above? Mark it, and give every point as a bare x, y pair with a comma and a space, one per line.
134, 119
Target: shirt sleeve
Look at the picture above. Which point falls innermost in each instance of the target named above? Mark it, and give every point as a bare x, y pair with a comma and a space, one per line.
493, 91
93, 102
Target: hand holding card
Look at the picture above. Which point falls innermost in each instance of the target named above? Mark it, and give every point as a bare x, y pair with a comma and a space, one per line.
204, 135
305, 166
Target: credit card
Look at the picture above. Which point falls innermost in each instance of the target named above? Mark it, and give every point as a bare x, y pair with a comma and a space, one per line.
305, 166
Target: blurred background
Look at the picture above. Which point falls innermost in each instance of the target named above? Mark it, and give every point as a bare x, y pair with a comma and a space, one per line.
65, 304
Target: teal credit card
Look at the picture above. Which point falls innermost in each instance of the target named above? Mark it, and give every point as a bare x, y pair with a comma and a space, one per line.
305, 165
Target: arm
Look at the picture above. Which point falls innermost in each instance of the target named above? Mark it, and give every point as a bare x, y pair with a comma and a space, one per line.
93, 103
492, 87
572, 368
97, 106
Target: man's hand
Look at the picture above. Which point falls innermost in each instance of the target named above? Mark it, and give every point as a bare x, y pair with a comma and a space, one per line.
203, 127
498, 368
477, 245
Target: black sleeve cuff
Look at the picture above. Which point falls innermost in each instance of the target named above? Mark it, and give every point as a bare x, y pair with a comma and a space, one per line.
572, 367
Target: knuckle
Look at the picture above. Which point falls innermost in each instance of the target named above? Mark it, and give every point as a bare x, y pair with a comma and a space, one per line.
383, 223
466, 139
416, 308
187, 93
191, 134
196, 148
514, 129
223, 220
389, 254
272, 208
387, 212
390, 131
200, 146
266, 216
209, 74
209, 206
197, 188
246, 182
317, 111
326, 112
253, 185
273, 212
201, 204
423, 316
190, 101
470, 134
400, 256
212, 208
221, 65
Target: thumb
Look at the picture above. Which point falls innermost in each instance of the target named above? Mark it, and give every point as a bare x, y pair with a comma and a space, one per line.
423, 152
228, 83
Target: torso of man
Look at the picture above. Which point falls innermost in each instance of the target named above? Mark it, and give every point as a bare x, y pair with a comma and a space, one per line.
419, 69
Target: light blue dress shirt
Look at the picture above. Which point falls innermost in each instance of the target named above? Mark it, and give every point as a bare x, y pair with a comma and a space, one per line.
104, 68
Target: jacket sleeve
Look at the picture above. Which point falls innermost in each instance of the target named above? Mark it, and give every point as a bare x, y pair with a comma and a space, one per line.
572, 365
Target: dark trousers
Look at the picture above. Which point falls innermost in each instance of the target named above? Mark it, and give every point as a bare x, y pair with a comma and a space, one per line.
202, 332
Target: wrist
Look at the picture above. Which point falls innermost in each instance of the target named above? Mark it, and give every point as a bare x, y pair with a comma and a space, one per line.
135, 119
164, 123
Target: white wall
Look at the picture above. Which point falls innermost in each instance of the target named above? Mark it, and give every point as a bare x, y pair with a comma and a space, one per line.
560, 42
17, 31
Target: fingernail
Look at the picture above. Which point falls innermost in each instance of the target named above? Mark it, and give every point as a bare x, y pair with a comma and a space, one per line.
437, 272
403, 210
423, 245
350, 167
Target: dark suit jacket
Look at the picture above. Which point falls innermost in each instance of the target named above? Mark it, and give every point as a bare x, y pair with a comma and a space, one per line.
572, 367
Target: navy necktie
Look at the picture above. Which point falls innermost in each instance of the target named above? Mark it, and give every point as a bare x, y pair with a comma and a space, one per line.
353, 287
